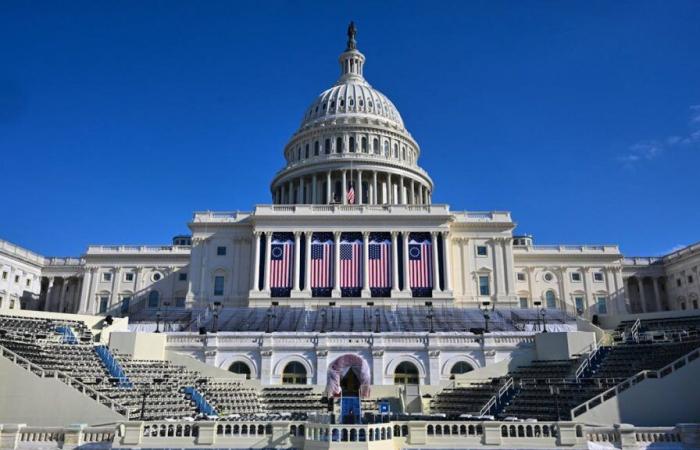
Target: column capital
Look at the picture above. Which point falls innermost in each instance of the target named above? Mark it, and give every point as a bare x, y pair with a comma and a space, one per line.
336, 234
257, 233
297, 234
365, 234
394, 234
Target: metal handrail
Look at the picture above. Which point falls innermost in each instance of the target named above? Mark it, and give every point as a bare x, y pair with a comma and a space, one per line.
64, 378
636, 378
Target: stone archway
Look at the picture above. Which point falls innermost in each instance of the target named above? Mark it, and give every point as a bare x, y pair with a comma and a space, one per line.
349, 371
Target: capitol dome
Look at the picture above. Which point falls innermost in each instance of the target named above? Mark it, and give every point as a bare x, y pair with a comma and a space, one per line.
352, 147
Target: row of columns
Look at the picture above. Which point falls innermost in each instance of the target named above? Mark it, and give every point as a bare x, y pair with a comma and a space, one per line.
65, 302
406, 291
309, 189
639, 281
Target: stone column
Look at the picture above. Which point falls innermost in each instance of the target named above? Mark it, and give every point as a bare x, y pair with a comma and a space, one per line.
314, 190
345, 188
49, 292
508, 267
561, 275
268, 249
412, 198
389, 190
402, 191
467, 279
62, 298
447, 260
301, 199
358, 188
587, 282
297, 261
499, 283
365, 265
436, 262
307, 264
256, 261
116, 281
657, 293
642, 295
394, 264
375, 196
336, 263
329, 194
406, 268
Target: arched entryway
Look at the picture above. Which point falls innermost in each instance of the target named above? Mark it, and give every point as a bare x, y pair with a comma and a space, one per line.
348, 375
406, 373
240, 368
294, 373
461, 367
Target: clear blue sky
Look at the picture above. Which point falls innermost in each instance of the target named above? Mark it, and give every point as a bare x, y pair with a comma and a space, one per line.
119, 119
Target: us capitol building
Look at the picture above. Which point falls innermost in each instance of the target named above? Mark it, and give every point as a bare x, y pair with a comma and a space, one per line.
350, 312
351, 237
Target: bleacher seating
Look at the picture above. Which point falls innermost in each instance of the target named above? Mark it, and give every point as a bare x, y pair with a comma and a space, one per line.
548, 390
156, 389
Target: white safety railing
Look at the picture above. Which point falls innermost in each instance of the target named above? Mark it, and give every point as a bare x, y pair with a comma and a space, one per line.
64, 378
634, 380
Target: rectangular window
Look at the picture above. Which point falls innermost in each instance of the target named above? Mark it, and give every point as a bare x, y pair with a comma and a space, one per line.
4, 275
125, 305
521, 276
602, 307
106, 276
678, 282
179, 302
598, 276
482, 250
575, 276
29, 283
484, 288
523, 302
182, 276
129, 276
16, 278
578, 301
690, 279
221, 251
104, 301
218, 285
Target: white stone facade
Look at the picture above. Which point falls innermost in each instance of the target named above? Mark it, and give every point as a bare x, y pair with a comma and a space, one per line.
352, 167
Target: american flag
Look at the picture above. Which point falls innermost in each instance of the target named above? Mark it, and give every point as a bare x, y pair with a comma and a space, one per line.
380, 263
420, 263
351, 264
351, 195
321, 263
281, 254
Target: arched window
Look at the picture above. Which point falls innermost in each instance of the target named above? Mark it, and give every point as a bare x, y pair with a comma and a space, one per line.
403, 153
364, 145
327, 147
406, 373
316, 148
460, 368
550, 299
306, 151
339, 145
352, 144
375, 146
153, 299
386, 148
294, 373
241, 368
396, 150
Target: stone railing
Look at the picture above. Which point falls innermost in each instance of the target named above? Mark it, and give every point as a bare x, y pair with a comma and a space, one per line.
482, 216
583, 249
641, 261
138, 249
390, 435
350, 209
61, 261
219, 216
64, 378
20, 252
